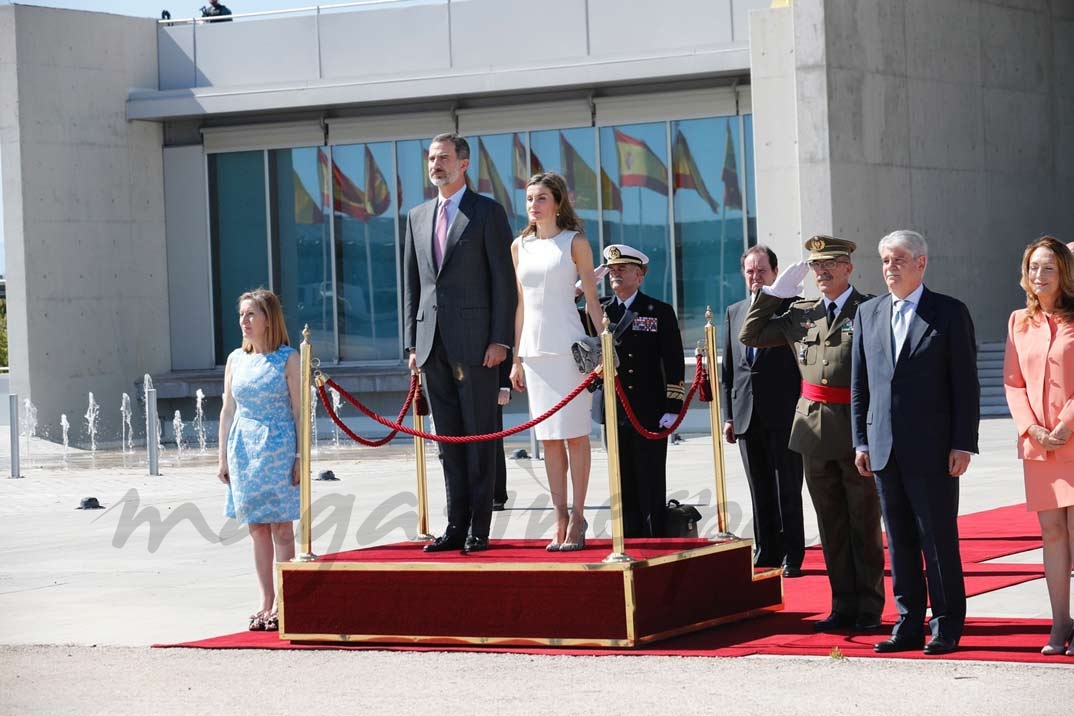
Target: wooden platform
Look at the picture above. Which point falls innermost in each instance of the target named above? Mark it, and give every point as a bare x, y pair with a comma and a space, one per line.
517, 593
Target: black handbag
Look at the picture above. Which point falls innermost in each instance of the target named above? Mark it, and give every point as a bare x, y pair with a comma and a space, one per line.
681, 520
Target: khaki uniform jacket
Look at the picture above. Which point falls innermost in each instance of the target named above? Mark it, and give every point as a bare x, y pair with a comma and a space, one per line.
823, 354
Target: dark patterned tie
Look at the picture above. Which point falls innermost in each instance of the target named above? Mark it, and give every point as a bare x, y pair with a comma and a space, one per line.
615, 311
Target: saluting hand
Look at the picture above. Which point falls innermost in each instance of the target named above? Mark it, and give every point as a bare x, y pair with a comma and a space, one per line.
788, 284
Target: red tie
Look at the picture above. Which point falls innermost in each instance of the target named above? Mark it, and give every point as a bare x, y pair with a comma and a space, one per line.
440, 235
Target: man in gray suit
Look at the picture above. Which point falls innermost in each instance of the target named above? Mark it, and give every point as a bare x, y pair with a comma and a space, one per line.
915, 402
459, 303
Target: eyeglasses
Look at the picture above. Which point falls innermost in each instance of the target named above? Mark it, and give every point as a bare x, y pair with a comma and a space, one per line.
827, 264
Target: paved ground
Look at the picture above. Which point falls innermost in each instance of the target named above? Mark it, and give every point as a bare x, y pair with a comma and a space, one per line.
82, 594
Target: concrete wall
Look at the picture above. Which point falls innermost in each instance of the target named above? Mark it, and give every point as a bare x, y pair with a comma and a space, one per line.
773, 76
83, 212
951, 117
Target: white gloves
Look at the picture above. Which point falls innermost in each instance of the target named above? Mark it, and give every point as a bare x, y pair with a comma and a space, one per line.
598, 273
789, 283
667, 420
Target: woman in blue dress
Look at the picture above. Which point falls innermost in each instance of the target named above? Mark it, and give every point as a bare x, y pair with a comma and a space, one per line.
258, 456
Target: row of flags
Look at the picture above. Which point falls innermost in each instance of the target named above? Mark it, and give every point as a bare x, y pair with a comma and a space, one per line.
639, 166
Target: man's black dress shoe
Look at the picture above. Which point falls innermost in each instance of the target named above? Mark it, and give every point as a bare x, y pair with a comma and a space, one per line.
446, 543
498, 506
834, 622
897, 643
791, 572
868, 622
475, 544
940, 645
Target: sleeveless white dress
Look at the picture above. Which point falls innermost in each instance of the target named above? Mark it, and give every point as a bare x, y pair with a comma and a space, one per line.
550, 325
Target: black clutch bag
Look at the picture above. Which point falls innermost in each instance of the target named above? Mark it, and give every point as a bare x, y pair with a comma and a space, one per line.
681, 520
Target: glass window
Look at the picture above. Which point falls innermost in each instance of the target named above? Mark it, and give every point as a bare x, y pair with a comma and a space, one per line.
708, 220
635, 158
573, 153
343, 277
239, 238
302, 250
367, 265
491, 157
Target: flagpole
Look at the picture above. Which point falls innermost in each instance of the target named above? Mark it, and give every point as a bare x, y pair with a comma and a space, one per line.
723, 241
369, 278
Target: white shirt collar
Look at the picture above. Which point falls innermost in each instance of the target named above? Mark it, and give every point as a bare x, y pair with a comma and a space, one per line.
626, 303
914, 298
453, 207
839, 300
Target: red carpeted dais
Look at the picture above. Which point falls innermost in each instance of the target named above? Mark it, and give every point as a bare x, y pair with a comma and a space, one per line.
985, 536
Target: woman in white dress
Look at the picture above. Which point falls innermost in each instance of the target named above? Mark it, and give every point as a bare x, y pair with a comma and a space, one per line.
549, 256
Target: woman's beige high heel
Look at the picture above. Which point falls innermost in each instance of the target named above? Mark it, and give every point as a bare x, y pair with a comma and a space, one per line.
562, 517
1057, 649
578, 541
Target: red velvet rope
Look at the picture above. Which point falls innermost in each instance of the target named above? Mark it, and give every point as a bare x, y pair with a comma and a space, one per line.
398, 428
648, 434
350, 433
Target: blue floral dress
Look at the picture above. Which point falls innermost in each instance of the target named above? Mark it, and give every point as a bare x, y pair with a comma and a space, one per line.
261, 445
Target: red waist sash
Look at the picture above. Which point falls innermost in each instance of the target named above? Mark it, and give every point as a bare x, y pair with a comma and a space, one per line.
825, 393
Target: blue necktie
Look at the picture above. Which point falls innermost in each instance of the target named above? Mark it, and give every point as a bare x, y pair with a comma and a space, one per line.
898, 327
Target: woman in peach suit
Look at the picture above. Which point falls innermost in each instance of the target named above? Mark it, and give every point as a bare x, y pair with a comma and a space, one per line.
1038, 375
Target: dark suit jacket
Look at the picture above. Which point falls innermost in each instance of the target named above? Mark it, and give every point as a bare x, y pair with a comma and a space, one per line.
927, 403
651, 364
473, 297
770, 387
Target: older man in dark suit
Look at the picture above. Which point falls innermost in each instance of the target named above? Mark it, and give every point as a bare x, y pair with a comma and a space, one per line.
915, 405
759, 389
459, 303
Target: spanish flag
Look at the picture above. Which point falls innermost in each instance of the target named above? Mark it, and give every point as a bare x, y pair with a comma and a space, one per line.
347, 198
732, 195
378, 195
522, 177
639, 165
489, 181
307, 211
686, 174
583, 182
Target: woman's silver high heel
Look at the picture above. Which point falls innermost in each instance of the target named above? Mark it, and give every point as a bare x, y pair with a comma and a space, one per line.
554, 546
574, 546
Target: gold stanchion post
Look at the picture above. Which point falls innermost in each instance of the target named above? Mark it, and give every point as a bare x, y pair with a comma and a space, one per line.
423, 487
611, 422
716, 423
305, 525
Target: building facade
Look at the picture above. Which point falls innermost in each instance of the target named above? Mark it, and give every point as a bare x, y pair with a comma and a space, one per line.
154, 171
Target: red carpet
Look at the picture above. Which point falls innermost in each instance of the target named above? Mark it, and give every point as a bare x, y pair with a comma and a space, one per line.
985, 535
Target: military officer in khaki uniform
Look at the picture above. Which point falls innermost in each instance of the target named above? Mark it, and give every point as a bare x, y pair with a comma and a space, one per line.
848, 511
